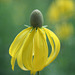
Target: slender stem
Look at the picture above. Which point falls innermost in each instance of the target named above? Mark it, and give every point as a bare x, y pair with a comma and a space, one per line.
38, 73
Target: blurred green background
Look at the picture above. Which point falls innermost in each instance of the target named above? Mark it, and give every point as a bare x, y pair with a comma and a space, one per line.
13, 15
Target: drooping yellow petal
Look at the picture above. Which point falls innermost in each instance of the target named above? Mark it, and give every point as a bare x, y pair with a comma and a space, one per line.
18, 41
52, 44
44, 34
13, 51
33, 72
13, 62
27, 50
20, 60
40, 50
57, 45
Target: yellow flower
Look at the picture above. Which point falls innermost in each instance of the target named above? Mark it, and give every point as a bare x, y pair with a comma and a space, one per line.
30, 46
60, 9
53, 13
64, 31
65, 6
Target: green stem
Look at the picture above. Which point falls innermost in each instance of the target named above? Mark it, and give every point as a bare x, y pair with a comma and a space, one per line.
38, 73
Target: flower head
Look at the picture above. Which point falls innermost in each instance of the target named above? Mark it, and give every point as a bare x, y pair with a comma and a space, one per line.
30, 46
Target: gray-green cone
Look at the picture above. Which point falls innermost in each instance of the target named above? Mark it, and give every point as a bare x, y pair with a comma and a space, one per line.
36, 19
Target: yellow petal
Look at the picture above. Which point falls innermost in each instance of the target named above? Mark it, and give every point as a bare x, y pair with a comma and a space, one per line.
13, 62
57, 45
20, 61
40, 50
27, 50
33, 72
51, 42
13, 51
18, 41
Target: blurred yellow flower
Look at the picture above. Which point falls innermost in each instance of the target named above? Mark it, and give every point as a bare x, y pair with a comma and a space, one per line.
30, 46
60, 9
64, 31
65, 6
53, 13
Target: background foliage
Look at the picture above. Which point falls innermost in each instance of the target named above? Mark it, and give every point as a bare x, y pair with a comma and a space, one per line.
13, 15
